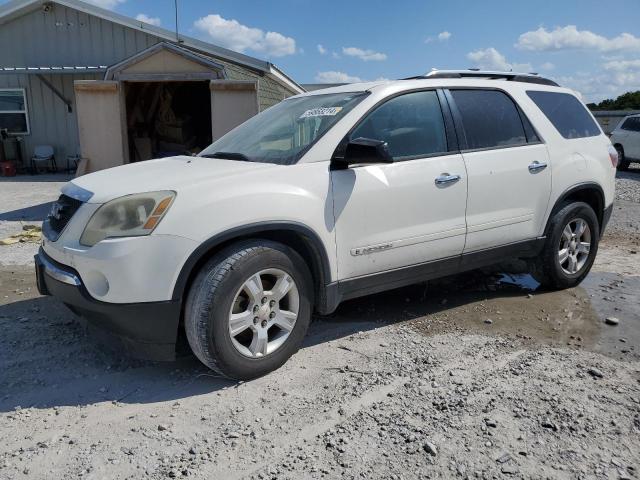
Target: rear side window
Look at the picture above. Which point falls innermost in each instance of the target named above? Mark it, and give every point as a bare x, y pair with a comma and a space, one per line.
490, 119
566, 113
411, 124
632, 124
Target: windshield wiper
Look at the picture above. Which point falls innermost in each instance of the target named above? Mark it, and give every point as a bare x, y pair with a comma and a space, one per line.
228, 155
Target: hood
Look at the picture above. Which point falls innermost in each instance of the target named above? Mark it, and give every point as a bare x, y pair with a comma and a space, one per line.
172, 173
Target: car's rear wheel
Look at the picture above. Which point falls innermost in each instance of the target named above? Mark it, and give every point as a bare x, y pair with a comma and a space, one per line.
249, 308
623, 165
570, 247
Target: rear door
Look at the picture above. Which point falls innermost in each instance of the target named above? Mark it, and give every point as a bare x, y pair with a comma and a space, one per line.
411, 211
507, 167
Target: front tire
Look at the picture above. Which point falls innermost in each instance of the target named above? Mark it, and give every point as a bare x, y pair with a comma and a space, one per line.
570, 248
623, 165
249, 308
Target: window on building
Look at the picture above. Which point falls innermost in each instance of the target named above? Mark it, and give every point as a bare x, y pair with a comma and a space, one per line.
567, 113
13, 111
490, 119
411, 124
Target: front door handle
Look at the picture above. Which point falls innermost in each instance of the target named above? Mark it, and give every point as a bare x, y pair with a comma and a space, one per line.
446, 179
537, 166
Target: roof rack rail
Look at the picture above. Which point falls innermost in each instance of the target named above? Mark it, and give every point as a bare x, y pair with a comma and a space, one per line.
488, 74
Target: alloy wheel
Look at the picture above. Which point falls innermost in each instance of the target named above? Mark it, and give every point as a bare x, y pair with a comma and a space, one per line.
263, 313
575, 245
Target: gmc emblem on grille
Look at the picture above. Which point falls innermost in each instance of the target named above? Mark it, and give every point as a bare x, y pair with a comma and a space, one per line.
56, 210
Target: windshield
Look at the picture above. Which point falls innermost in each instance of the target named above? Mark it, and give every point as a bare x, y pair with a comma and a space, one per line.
284, 132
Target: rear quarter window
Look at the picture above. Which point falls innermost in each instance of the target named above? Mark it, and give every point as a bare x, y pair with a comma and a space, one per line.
567, 114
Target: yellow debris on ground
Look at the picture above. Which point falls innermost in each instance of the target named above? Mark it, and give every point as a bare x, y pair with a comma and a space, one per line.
30, 233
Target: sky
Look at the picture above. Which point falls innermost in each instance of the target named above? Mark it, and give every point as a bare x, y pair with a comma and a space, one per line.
590, 46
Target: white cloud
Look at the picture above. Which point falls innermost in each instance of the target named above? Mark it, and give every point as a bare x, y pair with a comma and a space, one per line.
232, 34
547, 66
492, 59
141, 17
336, 77
622, 65
108, 4
335, 54
441, 37
608, 83
322, 50
366, 55
569, 37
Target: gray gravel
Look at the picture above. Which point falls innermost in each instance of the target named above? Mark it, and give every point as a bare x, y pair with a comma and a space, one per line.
628, 185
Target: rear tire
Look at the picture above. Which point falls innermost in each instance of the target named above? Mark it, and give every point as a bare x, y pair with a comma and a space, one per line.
236, 320
623, 165
570, 248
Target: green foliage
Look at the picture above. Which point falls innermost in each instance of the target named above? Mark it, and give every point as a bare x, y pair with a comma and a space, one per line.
626, 101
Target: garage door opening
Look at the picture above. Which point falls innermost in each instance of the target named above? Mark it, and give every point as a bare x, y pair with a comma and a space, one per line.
167, 118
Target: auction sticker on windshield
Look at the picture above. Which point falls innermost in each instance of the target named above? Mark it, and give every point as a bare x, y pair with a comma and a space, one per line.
321, 112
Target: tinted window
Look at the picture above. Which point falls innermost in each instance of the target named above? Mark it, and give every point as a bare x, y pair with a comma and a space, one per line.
490, 119
566, 113
411, 124
632, 124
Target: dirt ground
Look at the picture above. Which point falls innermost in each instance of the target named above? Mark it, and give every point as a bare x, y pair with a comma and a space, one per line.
479, 375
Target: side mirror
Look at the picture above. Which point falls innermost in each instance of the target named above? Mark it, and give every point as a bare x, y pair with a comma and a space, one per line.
361, 151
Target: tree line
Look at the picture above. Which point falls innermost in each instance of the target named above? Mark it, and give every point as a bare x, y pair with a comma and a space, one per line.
626, 101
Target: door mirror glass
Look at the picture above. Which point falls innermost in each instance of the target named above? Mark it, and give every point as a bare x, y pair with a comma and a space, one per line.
362, 151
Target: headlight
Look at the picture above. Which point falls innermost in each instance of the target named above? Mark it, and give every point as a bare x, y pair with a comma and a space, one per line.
129, 216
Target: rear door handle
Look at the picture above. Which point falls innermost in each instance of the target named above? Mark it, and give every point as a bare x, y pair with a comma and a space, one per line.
446, 179
537, 166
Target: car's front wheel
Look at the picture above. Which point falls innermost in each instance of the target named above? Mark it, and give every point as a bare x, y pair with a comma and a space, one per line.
623, 165
249, 308
570, 247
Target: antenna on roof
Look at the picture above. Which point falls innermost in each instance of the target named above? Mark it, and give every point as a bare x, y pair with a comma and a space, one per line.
175, 3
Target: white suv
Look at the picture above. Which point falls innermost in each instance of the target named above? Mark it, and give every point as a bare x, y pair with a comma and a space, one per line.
327, 196
626, 138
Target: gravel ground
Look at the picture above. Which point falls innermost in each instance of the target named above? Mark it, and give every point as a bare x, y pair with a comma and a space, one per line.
472, 376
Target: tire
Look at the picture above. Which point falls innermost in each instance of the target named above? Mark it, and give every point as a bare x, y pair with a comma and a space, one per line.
548, 269
221, 288
623, 165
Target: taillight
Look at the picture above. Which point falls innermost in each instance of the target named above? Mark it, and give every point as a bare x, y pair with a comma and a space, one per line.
613, 156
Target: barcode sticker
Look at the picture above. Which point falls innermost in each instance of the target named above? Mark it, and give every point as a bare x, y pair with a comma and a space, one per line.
321, 112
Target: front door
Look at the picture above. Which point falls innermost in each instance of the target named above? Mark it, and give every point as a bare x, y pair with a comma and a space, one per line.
507, 167
390, 216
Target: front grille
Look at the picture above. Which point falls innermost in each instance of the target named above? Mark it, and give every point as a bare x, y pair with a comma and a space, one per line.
61, 212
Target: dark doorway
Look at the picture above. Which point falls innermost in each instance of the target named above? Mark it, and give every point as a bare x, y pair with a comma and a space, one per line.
167, 118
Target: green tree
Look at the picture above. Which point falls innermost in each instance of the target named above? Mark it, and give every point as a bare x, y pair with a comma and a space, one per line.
626, 101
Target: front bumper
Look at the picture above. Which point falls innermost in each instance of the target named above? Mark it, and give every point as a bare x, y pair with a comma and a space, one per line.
145, 330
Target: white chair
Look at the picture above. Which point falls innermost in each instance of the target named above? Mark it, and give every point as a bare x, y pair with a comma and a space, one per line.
43, 154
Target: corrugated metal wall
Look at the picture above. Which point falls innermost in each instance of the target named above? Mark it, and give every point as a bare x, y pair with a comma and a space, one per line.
66, 37
50, 121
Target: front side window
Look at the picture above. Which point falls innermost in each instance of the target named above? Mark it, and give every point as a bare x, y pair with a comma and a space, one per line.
411, 124
13, 111
490, 119
567, 114
284, 132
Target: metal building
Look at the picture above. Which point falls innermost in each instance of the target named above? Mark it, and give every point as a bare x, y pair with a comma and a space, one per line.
84, 79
